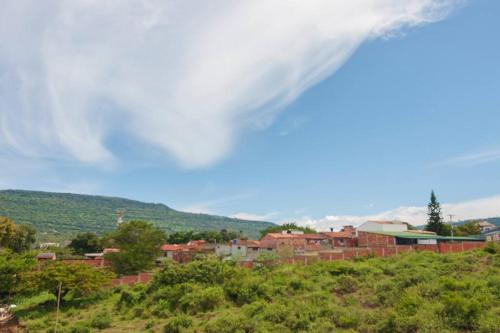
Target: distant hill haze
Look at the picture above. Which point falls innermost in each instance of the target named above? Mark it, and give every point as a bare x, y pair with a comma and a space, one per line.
59, 215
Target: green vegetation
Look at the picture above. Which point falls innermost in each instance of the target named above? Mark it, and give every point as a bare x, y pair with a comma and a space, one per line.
87, 242
435, 222
467, 229
182, 237
18, 238
286, 226
414, 292
139, 243
59, 216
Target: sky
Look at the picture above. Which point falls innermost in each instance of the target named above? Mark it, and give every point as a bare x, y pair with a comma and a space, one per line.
320, 112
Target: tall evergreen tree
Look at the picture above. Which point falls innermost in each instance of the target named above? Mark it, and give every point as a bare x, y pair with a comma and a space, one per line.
435, 221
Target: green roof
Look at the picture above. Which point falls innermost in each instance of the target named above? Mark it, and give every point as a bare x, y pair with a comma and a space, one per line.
414, 235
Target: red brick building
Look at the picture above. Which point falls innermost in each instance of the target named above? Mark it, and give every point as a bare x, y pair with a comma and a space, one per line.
343, 238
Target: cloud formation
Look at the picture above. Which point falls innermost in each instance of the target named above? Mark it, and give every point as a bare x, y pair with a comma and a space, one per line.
184, 76
416, 215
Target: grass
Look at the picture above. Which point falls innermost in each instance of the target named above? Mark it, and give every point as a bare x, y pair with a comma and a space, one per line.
414, 292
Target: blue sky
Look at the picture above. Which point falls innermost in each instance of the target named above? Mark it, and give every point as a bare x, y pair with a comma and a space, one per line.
405, 108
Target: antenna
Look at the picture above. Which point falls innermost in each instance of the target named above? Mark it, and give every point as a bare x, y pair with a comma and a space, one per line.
451, 224
120, 213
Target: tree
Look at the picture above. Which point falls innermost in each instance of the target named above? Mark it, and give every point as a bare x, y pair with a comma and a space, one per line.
13, 268
78, 278
23, 239
19, 238
286, 226
467, 229
7, 231
435, 221
139, 244
87, 242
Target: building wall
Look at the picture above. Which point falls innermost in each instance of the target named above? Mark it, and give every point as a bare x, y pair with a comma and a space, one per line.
372, 226
368, 239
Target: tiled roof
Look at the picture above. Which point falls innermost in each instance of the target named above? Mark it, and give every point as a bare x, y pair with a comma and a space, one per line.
296, 236
339, 234
48, 255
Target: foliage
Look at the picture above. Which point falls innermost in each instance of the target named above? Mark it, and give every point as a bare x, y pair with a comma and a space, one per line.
19, 238
435, 222
139, 244
87, 242
222, 236
63, 215
412, 292
467, 229
13, 271
76, 278
286, 226
101, 321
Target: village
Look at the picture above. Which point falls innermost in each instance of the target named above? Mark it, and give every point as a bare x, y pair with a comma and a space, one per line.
372, 238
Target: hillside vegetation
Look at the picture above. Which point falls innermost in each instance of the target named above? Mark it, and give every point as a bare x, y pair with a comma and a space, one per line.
414, 292
58, 215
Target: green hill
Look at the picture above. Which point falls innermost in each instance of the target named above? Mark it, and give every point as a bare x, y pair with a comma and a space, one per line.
59, 215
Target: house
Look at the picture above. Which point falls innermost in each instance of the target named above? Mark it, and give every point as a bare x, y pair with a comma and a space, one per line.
411, 237
46, 256
47, 245
492, 235
485, 226
390, 226
343, 238
287, 244
182, 252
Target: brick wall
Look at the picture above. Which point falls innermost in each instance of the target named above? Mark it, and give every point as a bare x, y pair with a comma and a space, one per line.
368, 239
132, 279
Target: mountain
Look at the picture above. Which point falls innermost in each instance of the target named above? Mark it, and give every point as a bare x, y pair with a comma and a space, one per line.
60, 215
492, 220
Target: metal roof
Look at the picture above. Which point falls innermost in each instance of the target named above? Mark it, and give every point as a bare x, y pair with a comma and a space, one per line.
412, 235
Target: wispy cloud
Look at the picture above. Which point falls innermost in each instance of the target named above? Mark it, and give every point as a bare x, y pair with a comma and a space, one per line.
417, 215
184, 76
476, 158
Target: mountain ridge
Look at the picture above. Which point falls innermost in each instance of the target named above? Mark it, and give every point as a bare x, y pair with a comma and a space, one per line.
56, 214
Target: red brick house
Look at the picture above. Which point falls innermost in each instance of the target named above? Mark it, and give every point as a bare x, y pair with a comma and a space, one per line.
183, 252
344, 238
286, 244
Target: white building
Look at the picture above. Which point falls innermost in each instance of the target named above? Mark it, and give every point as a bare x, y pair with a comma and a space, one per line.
384, 226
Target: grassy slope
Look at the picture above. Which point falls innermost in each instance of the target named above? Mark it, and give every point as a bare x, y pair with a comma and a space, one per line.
66, 214
416, 292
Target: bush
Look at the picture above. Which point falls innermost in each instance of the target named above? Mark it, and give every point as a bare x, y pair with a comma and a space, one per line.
177, 324
492, 247
81, 327
202, 300
101, 321
461, 313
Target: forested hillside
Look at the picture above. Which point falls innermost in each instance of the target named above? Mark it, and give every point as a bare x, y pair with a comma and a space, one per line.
62, 214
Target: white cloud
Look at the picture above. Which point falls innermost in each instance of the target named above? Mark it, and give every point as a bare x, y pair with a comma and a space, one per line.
184, 76
416, 215
255, 217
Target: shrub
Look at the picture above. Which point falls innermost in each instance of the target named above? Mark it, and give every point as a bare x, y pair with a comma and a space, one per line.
177, 324
101, 321
492, 247
346, 284
81, 327
461, 313
202, 300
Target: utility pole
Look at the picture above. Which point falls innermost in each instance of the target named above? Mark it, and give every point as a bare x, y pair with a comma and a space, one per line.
58, 303
451, 224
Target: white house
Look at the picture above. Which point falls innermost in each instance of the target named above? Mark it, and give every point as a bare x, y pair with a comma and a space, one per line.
384, 226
